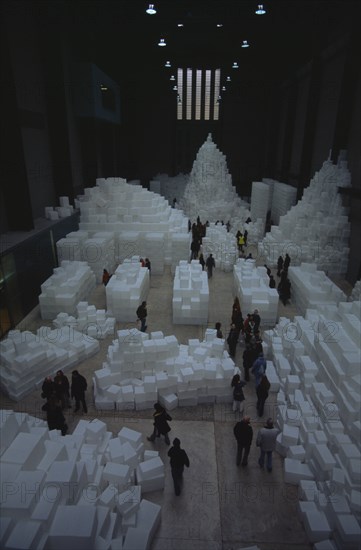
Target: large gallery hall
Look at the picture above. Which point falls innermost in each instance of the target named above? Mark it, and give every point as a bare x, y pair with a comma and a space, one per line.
200, 159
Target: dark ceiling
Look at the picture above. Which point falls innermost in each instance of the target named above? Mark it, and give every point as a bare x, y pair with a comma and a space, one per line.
121, 33
122, 39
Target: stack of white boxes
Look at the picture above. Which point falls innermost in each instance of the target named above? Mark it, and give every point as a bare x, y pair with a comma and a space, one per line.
91, 321
318, 362
63, 211
140, 370
127, 289
71, 283
222, 245
283, 198
311, 288
190, 294
81, 490
27, 358
317, 229
251, 285
356, 292
72, 246
139, 219
169, 187
95, 248
261, 200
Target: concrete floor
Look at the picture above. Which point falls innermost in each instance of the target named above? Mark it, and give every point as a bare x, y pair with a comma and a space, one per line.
222, 506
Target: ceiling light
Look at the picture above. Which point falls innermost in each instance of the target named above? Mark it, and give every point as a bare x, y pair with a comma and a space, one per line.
223, 88
228, 79
245, 44
167, 64
260, 10
162, 42
103, 88
172, 77
175, 88
179, 99
219, 25
151, 10
180, 25
235, 65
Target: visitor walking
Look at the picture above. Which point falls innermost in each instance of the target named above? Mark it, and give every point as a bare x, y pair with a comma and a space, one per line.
243, 433
266, 441
210, 264
142, 314
78, 388
178, 459
161, 426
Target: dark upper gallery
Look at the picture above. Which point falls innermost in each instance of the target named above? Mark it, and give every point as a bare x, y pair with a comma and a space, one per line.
87, 93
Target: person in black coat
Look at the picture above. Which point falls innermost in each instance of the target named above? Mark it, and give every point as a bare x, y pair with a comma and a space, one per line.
232, 340
48, 388
54, 415
272, 282
178, 459
249, 358
161, 426
210, 264
62, 386
279, 266
243, 433
78, 388
142, 314
262, 394
286, 263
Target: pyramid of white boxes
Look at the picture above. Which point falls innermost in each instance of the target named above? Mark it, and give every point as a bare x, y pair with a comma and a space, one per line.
190, 294
317, 359
141, 369
82, 490
210, 178
70, 284
317, 229
27, 358
251, 285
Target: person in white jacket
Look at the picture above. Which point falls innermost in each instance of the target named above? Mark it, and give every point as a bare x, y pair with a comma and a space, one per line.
266, 440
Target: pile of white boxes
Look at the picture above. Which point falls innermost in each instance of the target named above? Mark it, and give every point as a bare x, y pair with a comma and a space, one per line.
139, 220
190, 294
82, 490
127, 289
356, 293
141, 369
284, 196
311, 288
169, 187
317, 229
97, 248
261, 200
251, 285
222, 245
90, 321
317, 358
70, 283
178, 248
63, 211
27, 358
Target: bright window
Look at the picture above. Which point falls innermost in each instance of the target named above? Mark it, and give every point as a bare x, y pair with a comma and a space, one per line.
198, 92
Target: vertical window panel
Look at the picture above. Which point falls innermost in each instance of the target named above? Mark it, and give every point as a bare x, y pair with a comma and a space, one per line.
217, 89
180, 93
198, 94
207, 95
189, 95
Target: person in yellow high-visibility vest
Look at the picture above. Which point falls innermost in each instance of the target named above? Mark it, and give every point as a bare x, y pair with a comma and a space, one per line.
241, 242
